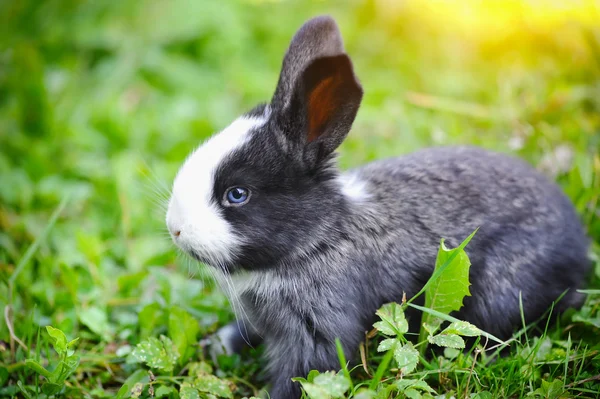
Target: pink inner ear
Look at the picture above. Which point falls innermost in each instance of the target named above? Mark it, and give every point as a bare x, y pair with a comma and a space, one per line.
322, 103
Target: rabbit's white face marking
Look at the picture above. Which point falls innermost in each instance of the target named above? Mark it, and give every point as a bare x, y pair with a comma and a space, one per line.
193, 218
353, 188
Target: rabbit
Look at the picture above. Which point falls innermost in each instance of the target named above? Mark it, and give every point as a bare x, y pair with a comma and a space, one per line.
308, 253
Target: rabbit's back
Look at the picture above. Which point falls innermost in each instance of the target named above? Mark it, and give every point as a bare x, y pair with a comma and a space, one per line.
530, 240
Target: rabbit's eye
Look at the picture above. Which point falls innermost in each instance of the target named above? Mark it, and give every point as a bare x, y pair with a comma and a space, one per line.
236, 196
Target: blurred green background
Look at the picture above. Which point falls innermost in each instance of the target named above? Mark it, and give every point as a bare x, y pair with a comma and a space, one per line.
100, 102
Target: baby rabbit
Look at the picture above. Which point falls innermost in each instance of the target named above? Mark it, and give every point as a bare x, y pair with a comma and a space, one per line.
309, 253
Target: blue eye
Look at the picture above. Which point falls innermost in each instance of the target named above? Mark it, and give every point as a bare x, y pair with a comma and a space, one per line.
237, 195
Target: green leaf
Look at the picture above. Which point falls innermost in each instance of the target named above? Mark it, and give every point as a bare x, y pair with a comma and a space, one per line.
35, 366
449, 318
412, 394
431, 329
51, 388
549, 390
365, 394
59, 339
451, 353
72, 343
64, 369
404, 384
199, 368
213, 385
448, 285
334, 384
463, 328
447, 340
124, 390
312, 375
328, 385
164, 391
407, 357
4, 374
183, 330
137, 376
393, 322
96, 320
314, 391
157, 354
447, 292
387, 344
151, 315
188, 392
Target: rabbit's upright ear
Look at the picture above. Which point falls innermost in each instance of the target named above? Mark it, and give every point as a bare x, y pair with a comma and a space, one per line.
318, 95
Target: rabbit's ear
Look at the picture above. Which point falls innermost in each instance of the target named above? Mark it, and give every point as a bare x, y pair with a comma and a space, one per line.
318, 95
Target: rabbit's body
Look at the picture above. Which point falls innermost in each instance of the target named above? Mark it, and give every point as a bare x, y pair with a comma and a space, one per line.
383, 239
314, 252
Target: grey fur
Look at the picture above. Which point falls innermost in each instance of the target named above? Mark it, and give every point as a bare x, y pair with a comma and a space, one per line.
335, 258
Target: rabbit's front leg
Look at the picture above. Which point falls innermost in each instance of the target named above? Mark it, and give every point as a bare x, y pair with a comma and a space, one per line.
296, 354
232, 338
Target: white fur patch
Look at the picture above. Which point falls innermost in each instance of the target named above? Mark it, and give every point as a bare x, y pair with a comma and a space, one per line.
225, 336
191, 211
352, 187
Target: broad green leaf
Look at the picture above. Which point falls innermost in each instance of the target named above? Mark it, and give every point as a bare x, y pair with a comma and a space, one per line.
431, 329
199, 368
328, 385
387, 344
213, 385
59, 339
451, 353
447, 292
463, 328
393, 321
183, 330
123, 391
158, 354
407, 357
365, 394
96, 320
334, 384
447, 340
186, 391
151, 315
164, 391
550, 390
412, 394
448, 285
311, 375
314, 391
415, 384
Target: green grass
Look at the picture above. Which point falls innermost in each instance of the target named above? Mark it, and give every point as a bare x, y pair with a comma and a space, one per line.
101, 101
